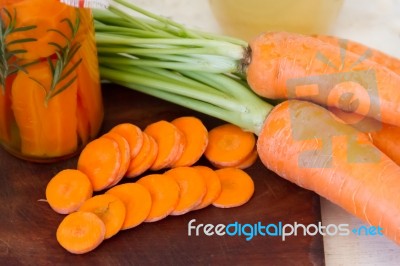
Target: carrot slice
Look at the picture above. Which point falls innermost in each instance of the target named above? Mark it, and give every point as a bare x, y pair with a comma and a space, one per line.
145, 158
137, 200
132, 134
237, 188
192, 188
100, 160
164, 191
81, 232
170, 143
248, 161
196, 136
213, 186
110, 209
68, 190
245, 163
228, 145
125, 152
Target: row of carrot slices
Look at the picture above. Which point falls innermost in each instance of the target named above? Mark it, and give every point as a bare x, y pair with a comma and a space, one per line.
128, 151
151, 198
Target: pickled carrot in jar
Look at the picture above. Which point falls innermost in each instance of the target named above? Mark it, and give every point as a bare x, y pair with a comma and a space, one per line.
50, 96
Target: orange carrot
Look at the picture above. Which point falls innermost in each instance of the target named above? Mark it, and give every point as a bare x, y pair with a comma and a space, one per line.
124, 151
46, 129
31, 13
356, 176
100, 160
384, 136
164, 191
110, 209
170, 143
276, 71
229, 145
237, 188
132, 134
248, 161
192, 188
68, 190
137, 200
6, 114
245, 163
358, 48
145, 158
81, 232
89, 89
196, 136
387, 140
82, 127
213, 186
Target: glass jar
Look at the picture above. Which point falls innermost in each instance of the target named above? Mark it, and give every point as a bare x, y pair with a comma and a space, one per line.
247, 18
50, 95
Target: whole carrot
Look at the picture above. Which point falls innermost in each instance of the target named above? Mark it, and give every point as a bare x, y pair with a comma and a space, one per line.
357, 177
281, 64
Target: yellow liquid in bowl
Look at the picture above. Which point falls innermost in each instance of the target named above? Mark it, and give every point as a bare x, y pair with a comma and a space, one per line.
248, 18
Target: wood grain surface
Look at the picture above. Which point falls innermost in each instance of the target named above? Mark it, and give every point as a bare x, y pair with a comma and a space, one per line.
28, 225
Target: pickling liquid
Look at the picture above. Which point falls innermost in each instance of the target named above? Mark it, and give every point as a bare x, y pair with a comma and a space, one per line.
246, 19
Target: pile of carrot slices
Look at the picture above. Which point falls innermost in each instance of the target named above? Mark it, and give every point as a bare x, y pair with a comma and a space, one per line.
127, 151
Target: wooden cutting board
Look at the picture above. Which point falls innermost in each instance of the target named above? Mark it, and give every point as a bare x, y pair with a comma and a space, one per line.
28, 225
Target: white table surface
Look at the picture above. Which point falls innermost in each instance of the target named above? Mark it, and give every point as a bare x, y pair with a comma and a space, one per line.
375, 23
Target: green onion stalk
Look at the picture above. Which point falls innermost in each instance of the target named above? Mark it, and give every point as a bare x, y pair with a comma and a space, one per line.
160, 57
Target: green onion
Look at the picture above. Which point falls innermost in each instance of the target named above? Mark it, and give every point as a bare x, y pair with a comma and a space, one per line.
157, 56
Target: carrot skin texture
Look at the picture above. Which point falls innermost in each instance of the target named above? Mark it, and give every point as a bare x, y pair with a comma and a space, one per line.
358, 48
275, 62
367, 187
